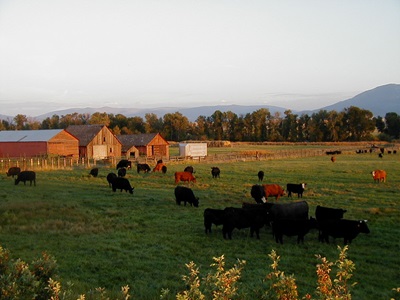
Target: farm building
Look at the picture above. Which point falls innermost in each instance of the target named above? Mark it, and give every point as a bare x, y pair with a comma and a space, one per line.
96, 141
33, 143
193, 149
147, 144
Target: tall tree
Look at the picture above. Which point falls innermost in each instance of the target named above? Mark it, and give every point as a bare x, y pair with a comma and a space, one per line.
260, 121
100, 118
175, 126
153, 123
20, 121
393, 125
359, 123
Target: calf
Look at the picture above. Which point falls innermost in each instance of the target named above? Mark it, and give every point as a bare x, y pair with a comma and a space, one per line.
260, 175
215, 172
346, 229
143, 167
124, 163
379, 175
13, 171
121, 183
213, 216
184, 176
110, 178
243, 218
185, 194
159, 167
296, 188
25, 176
94, 172
121, 172
291, 227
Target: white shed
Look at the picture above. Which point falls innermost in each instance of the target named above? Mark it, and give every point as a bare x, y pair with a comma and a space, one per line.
193, 149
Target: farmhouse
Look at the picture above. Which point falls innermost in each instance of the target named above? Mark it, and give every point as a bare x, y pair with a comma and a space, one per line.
33, 143
96, 141
151, 145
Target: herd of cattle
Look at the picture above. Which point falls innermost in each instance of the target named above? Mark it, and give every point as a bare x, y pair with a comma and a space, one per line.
290, 219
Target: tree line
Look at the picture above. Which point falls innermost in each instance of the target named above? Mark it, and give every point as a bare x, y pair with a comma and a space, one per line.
351, 124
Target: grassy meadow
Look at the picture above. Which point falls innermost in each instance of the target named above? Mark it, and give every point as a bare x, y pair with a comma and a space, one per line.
105, 239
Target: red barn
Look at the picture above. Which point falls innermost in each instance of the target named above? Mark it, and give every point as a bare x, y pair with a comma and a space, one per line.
32, 143
148, 144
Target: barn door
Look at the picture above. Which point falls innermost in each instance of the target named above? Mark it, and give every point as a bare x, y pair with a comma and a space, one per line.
99, 151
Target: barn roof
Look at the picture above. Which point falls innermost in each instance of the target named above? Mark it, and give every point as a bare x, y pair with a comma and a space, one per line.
84, 133
142, 139
28, 135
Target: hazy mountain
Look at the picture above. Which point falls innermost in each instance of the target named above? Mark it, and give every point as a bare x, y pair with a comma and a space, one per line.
379, 101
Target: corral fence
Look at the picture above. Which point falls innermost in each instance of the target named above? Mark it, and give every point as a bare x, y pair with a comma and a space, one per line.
58, 163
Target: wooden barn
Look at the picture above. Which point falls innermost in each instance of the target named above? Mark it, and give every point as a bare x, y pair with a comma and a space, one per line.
34, 143
150, 145
96, 141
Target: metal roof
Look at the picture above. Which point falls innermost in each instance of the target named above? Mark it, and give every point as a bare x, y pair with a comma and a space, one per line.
28, 135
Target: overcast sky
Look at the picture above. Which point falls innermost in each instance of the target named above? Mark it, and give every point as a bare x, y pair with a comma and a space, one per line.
57, 54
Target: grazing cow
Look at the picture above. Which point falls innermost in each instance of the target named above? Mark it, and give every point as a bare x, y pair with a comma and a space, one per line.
184, 176
13, 171
213, 216
158, 167
25, 176
94, 172
380, 155
243, 218
346, 229
296, 188
121, 172
333, 158
143, 167
185, 194
110, 178
274, 190
215, 171
121, 183
293, 210
257, 192
189, 169
260, 175
124, 163
291, 227
379, 175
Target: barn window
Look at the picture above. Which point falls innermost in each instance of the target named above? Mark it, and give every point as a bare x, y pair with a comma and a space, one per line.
110, 150
104, 139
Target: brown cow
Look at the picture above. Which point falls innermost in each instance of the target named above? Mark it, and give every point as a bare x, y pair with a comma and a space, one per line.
379, 175
184, 176
273, 190
159, 167
333, 159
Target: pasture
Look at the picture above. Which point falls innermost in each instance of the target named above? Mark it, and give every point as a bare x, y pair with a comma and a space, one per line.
105, 239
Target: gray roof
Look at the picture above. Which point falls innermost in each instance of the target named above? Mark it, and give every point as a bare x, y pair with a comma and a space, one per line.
28, 135
84, 133
142, 139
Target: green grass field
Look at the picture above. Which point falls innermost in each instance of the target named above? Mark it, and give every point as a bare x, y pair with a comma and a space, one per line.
105, 239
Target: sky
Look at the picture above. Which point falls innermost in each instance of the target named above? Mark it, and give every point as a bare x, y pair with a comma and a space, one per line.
58, 54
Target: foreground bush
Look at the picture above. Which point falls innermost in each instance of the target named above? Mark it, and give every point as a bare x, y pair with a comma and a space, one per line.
18, 280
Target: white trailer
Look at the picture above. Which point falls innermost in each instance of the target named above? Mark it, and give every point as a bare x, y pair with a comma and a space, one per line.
193, 149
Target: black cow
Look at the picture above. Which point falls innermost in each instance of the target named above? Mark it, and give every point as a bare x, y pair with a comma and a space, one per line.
94, 172
258, 193
215, 171
13, 171
143, 167
346, 229
260, 175
189, 169
293, 210
243, 218
323, 213
185, 194
25, 176
291, 227
110, 178
121, 172
124, 163
121, 183
296, 188
164, 169
213, 216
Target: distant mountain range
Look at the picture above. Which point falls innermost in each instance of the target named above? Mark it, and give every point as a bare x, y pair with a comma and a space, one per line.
379, 101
